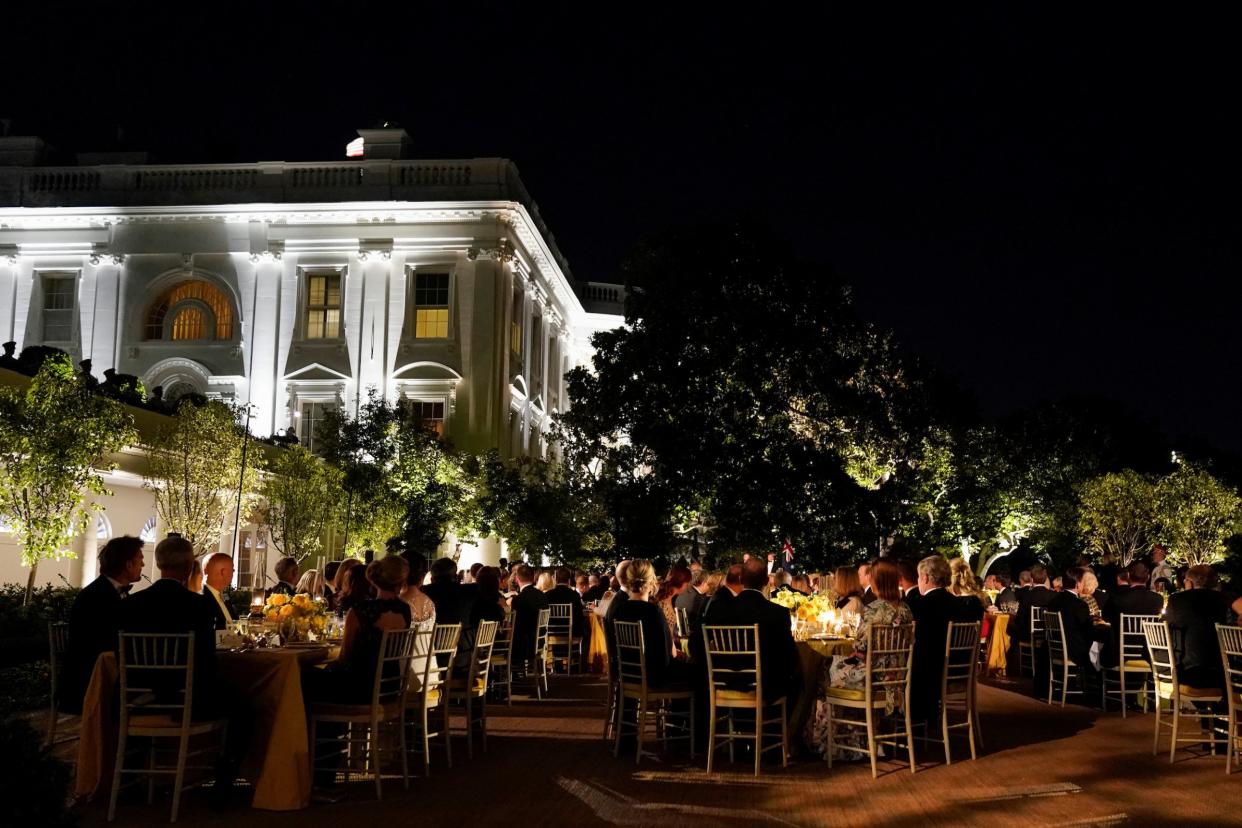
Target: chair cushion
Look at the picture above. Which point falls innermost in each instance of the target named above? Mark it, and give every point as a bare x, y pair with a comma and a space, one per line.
431, 699
459, 684
1199, 692
1136, 664
846, 693
723, 694
955, 687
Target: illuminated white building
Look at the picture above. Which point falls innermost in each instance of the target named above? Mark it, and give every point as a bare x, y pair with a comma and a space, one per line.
293, 287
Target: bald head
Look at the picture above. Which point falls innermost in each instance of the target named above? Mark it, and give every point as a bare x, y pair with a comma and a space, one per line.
218, 573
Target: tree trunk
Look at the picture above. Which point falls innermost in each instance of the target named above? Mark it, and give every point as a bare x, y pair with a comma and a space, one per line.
30, 582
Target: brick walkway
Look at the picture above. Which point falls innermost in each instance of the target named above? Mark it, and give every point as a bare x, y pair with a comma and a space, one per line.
547, 765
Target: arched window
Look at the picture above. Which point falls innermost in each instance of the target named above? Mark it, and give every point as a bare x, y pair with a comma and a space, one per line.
191, 310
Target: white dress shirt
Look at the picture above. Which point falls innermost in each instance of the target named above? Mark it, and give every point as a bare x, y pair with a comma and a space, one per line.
228, 618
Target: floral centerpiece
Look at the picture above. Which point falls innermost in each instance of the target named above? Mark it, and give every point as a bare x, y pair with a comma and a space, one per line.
808, 611
300, 618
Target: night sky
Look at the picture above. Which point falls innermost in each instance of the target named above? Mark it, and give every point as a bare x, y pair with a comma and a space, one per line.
1039, 203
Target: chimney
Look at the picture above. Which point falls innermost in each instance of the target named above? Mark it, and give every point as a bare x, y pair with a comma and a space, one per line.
385, 142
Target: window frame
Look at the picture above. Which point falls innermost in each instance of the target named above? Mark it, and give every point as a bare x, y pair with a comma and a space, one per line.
305, 274
410, 328
44, 276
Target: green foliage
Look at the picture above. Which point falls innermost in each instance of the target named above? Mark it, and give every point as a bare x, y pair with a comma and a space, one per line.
1197, 515
303, 496
194, 468
25, 687
362, 447
35, 784
28, 619
432, 484
55, 435
1117, 514
541, 509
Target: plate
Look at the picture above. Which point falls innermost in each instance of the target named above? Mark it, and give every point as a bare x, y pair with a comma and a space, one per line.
303, 645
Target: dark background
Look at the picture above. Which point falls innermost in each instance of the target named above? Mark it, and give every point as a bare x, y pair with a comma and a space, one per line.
1041, 202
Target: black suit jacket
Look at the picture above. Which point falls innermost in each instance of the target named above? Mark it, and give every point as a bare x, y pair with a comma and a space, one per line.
217, 615
168, 607
526, 606
594, 593
933, 612
1020, 630
93, 622
1193, 615
868, 597
693, 602
1076, 625
452, 607
563, 594
1126, 601
282, 588
778, 656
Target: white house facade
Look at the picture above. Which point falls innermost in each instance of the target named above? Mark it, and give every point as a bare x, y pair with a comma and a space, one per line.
292, 288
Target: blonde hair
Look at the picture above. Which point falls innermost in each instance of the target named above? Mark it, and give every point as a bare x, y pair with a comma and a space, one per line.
714, 580
389, 574
639, 575
962, 580
310, 583
546, 582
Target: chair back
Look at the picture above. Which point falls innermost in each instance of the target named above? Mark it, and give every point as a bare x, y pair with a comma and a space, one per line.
960, 648
541, 633
683, 622
392, 669
503, 646
631, 654
1037, 623
560, 619
1055, 634
481, 657
442, 644
1133, 644
157, 676
1160, 656
890, 648
733, 659
1230, 639
57, 641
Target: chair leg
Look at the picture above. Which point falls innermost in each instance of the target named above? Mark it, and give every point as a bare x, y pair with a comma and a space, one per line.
732, 735
784, 736
832, 742
405, 759
944, 731
758, 736
483, 723
51, 725
620, 724
373, 758
640, 716
448, 734
183, 748
972, 716
116, 775
1155, 739
151, 772
469, 728
711, 732
871, 746
1176, 708
910, 739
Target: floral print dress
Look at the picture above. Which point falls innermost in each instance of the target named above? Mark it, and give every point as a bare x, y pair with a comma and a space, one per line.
851, 672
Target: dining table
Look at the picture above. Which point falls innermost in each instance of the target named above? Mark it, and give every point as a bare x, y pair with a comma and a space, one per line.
998, 644
597, 646
813, 653
267, 681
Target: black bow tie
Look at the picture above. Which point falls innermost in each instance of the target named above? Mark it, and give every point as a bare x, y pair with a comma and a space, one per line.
124, 591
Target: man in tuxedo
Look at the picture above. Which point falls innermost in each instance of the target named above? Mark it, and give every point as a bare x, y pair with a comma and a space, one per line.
777, 653
935, 608
563, 593
1130, 597
217, 578
470, 589
1008, 595
864, 580
452, 606
595, 588
693, 600
526, 606
168, 606
1076, 623
1193, 615
1038, 595
287, 573
908, 582
95, 616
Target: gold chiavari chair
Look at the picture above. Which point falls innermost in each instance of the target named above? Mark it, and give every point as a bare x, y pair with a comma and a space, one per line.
432, 692
501, 674
634, 686
471, 688
57, 640
1026, 649
1115, 682
1169, 689
562, 643
1230, 639
958, 685
1061, 669
735, 683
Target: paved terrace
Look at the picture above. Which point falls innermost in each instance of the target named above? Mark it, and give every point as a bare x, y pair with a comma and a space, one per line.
547, 765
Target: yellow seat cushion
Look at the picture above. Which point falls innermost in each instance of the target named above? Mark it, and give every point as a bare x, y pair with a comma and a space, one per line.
480, 686
846, 693
956, 687
416, 699
390, 711
724, 694
1136, 664
1198, 692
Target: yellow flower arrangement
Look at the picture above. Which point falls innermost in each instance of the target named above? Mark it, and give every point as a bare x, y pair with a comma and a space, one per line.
297, 616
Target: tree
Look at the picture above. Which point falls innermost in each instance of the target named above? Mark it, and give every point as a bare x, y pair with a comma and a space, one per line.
362, 447
302, 494
194, 469
55, 437
1197, 515
1117, 514
745, 386
431, 483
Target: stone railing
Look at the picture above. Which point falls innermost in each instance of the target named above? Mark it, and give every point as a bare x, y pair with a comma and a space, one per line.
600, 297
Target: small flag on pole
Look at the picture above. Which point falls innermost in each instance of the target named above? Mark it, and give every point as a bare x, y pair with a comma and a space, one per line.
354, 148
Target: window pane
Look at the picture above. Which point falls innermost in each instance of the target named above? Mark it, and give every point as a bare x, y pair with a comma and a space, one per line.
314, 325
431, 289
332, 325
188, 324
317, 288
431, 323
334, 290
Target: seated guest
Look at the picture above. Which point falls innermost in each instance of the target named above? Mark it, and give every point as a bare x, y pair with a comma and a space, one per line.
676, 581
801, 584
1008, 595
582, 585
1037, 594
1088, 586
663, 667
619, 595
851, 671
545, 582
595, 589
167, 606
340, 581
329, 581
489, 604
563, 593
1193, 615
94, 618
357, 588
908, 582
730, 586
781, 581
693, 599
1131, 597
777, 653
1076, 623
287, 573
470, 587
963, 584
849, 589
445, 593
864, 582
422, 608
218, 579
311, 583
933, 611
526, 606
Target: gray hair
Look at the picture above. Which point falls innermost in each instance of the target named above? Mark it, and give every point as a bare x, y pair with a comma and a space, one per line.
174, 554
936, 570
